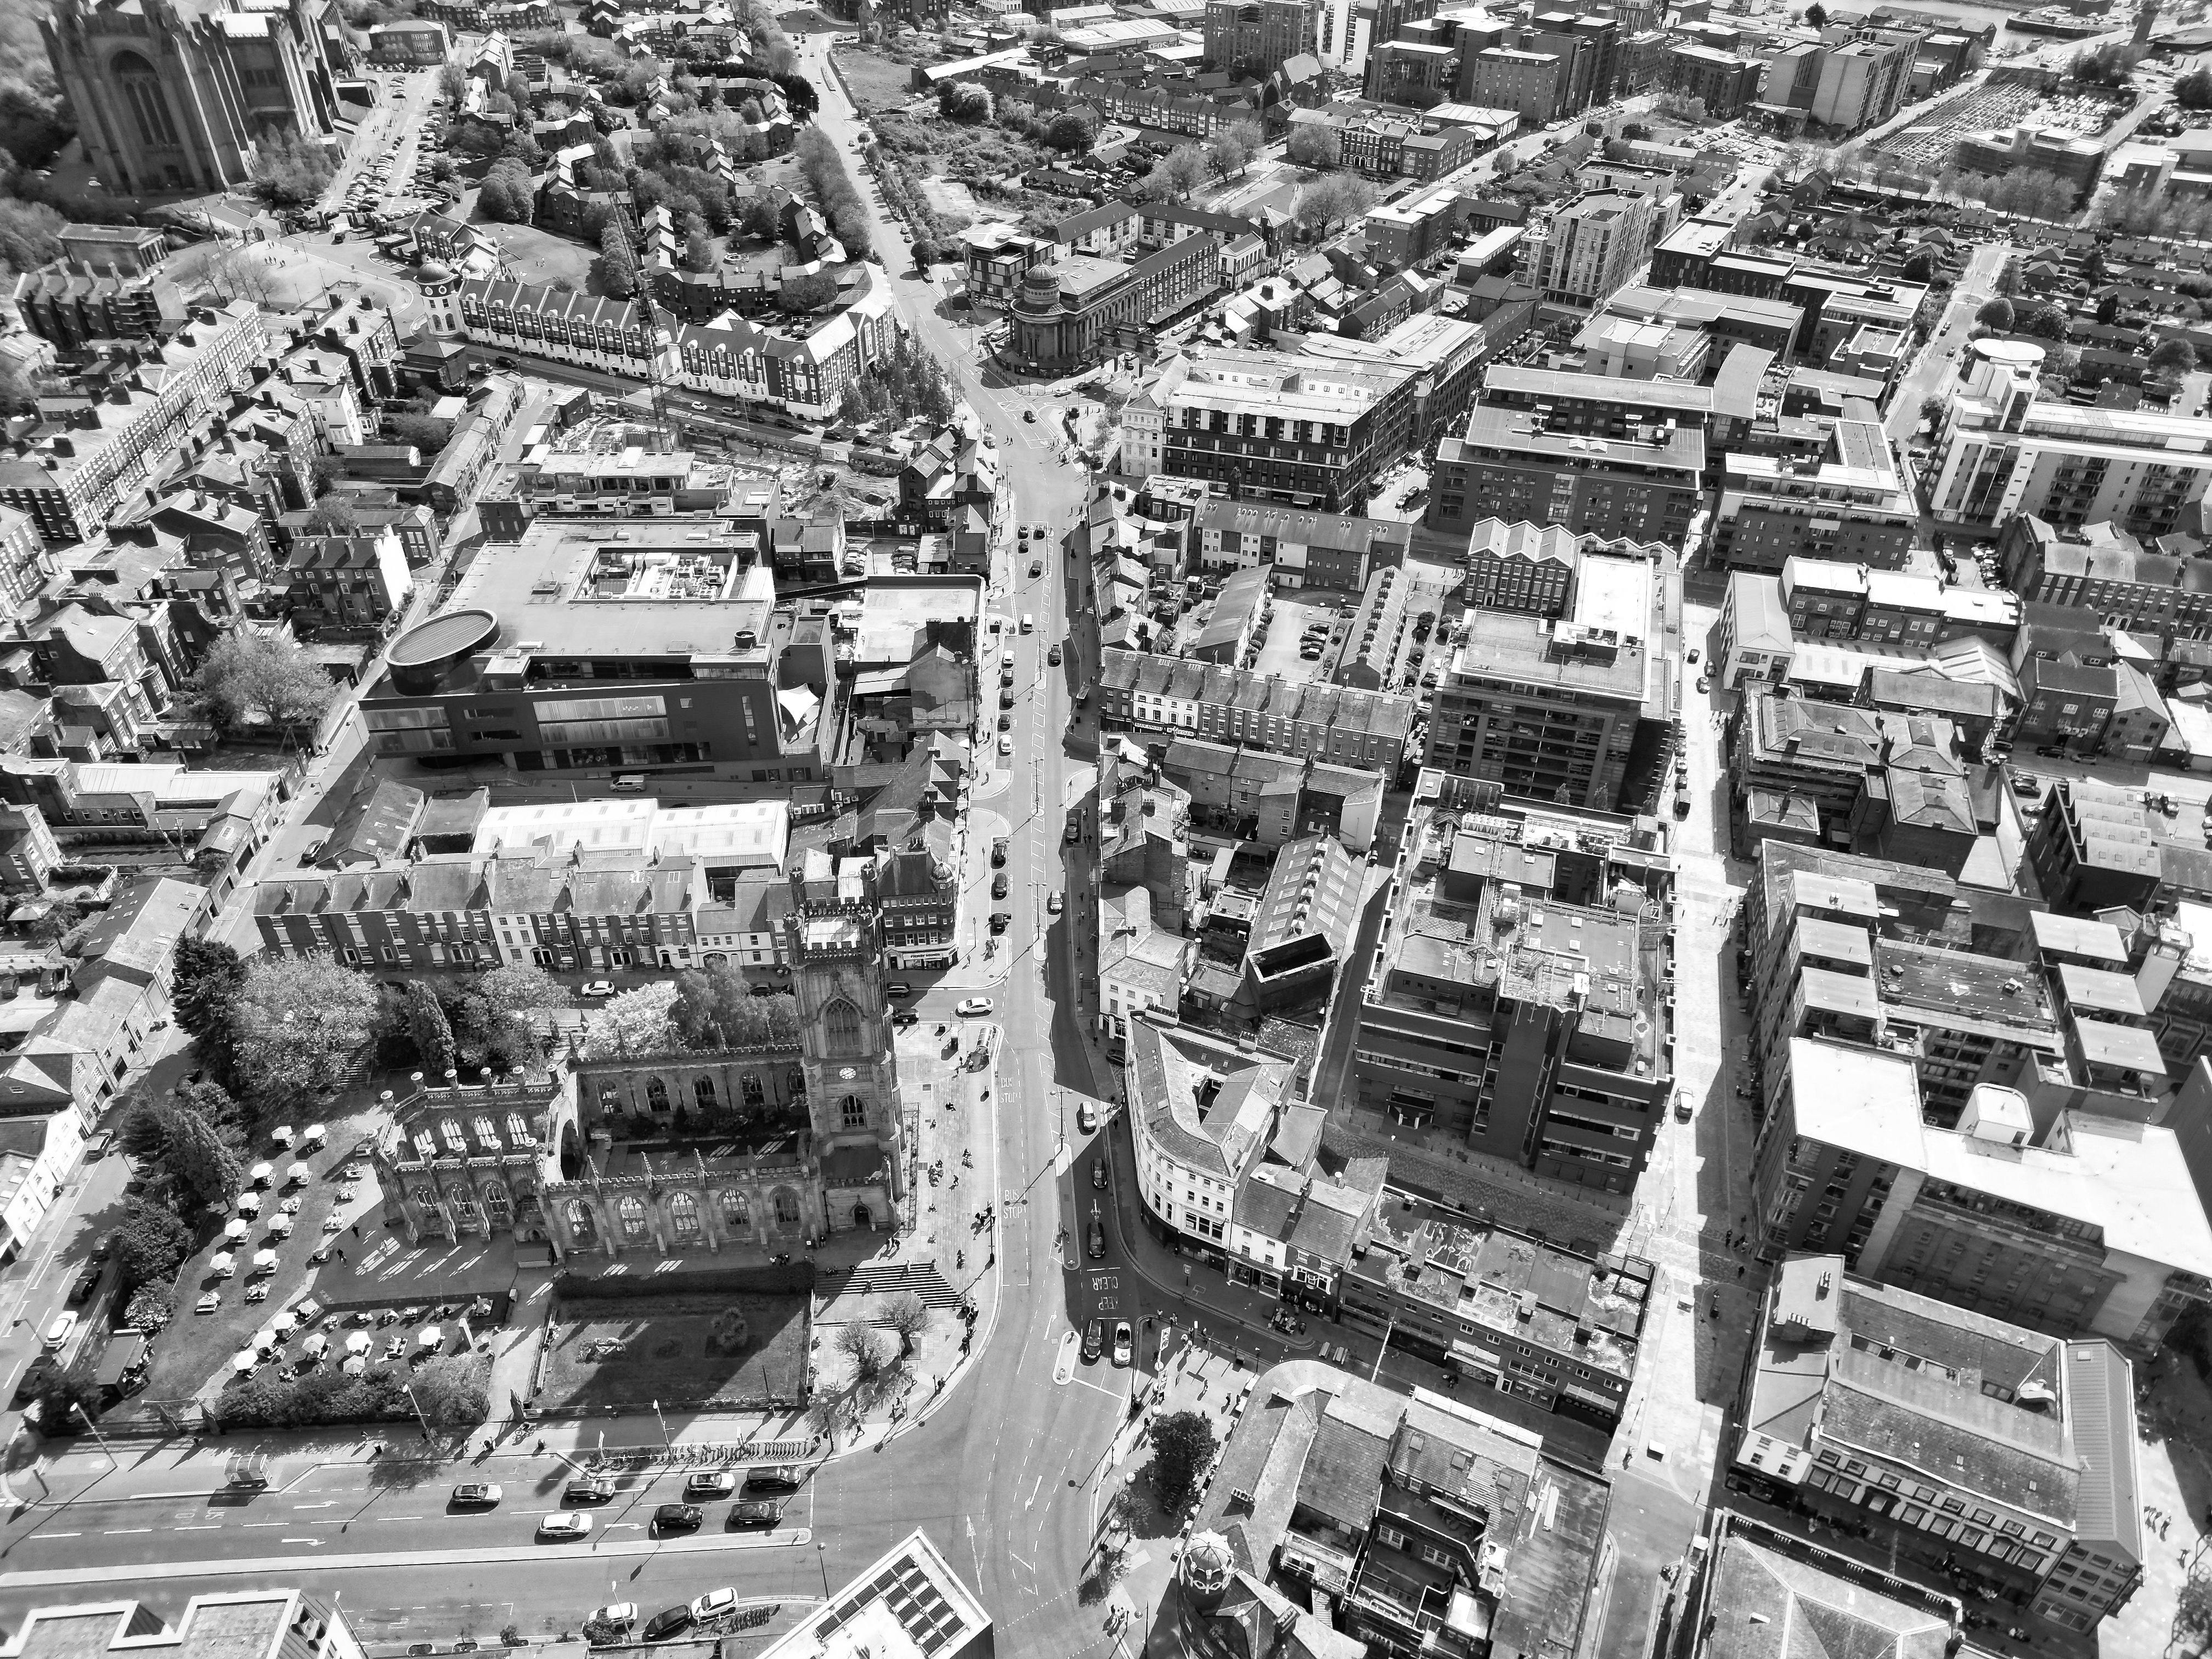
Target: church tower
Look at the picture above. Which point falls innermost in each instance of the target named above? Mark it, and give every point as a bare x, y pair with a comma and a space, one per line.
835, 935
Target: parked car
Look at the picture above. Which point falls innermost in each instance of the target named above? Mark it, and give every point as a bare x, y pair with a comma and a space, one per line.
717, 1483
998, 851
1124, 1342
565, 1523
616, 1615
999, 885
759, 1512
598, 987
58, 1332
1094, 1338
1005, 743
904, 1017
1086, 1116
1053, 656
476, 1495
677, 1517
589, 1489
86, 1282
772, 1477
1001, 919
669, 1621
1036, 567
713, 1604
1053, 903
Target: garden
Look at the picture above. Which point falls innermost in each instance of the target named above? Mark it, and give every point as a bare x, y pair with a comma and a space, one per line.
609, 1349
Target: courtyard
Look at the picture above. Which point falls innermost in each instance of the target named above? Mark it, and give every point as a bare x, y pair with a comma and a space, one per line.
734, 1351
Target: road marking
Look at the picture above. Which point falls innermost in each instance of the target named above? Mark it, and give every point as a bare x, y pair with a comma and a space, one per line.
48, 1535
302, 1540
331, 1505
209, 1526
118, 1532
265, 1523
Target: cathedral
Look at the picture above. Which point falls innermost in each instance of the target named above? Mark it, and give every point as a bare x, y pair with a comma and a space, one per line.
173, 95
684, 1152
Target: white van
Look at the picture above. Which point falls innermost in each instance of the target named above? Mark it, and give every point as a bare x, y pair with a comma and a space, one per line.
629, 783
1029, 622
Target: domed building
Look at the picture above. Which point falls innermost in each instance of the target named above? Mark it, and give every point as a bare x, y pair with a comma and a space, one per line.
441, 290
1071, 311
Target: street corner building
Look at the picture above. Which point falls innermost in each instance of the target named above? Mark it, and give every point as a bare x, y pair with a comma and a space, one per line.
172, 97
801, 1135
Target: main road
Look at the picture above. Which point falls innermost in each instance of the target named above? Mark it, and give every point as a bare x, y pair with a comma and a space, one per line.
1002, 1473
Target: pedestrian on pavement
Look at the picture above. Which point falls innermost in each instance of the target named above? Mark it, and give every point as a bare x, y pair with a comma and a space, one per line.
1739, 1271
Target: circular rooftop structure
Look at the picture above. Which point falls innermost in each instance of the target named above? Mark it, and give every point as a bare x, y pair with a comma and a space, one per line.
432, 271
420, 657
2019, 353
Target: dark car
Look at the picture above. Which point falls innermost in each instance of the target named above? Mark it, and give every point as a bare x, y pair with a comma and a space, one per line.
1097, 1241
86, 1282
772, 1477
589, 1489
1000, 921
677, 1517
669, 1621
999, 885
998, 851
1094, 1339
904, 1017
1053, 656
1006, 699
759, 1512
1005, 722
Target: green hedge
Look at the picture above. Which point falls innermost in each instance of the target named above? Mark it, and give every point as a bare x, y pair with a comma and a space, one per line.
790, 1279
454, 1392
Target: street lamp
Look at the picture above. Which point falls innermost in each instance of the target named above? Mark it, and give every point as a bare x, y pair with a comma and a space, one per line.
85, 1417
417, 1404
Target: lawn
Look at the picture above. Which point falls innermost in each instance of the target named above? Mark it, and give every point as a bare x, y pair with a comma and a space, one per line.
539, 256
874, 82
676, 1350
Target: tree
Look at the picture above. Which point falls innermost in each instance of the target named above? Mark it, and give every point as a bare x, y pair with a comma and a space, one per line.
2108, 308
2176, 356
426, 1023
290, 171
30, 233
151, 1244
254, 678
150, 1309
2193, 90
698, 253
302, 1024
859, 1344
452, 84
1073, 132
207, 1170
964, 102
1328, 201
519, 988
506, 194
1920, 268
907, 1318
453, 1391
1997, 315
1183, 1446
1234, 147
808, 291
333, 515
640, 1022
1175, 174
66, 1400
424, 432
1816, 16
1311, 145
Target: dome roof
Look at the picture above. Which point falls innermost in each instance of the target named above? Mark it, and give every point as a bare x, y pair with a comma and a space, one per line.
433, 270
1207, 1563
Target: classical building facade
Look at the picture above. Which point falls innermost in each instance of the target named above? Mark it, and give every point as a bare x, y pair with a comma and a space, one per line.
793, 1141
174, 95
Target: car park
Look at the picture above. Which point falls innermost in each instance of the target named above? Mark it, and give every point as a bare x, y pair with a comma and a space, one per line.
476, 1495
565, 1523
677, 1517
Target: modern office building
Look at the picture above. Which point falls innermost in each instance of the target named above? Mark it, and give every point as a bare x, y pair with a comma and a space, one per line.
907, 1604
1643, 486
2094, 1228
1959, 1441
1516, 999
2001, 453
1307, 431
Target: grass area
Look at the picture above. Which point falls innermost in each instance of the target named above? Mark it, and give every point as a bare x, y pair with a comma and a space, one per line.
677, 1350
875, 80
539, 256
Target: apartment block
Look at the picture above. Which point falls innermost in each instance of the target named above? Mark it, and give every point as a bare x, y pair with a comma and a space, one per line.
1512, 464
2003, 453
1515, 998
1306, 431
1722, 82
1850, 506
1595, 243
2096, 1229
1958, 1441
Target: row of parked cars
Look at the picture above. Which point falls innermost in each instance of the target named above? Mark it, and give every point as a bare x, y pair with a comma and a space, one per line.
758, 1495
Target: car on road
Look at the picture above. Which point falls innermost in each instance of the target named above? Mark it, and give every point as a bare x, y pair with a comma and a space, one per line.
1036, 567
476, 1495
96, 1148
1038, 532
669, 1621
759, 1512
86, 1282
503, 362
1097, 1240
58, 1332
1005, 722
713, 1604
772, 1477
1029, 414
619, 1615
715, 1483
999, 885
1006, 699
973, 1007
1098, 1173
1001, 919
1087, 1117
589, 1489
998, 851
677, 1517
1053, 903
1053, 656
1124, 1342
898, 990
1005, 743
1094, 1339
1705, 685
565, 1523
904, 1017
1693, 657
598, 987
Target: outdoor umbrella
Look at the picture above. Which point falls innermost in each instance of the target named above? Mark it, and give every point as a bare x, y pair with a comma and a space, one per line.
358, 1342
315, 1345
431, 1336
249, 1204
236, 1228
355, 1366
245, 1362
315, 1135
280, 1226
264, 1261
260, 1173
223, 1262
299, 1175
283, 1324
282, 1135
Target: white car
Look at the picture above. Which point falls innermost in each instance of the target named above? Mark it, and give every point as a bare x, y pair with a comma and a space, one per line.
970, 1006
598, 987
620, 1614
713, 1604
565, 1523
64, 1325
1005, 743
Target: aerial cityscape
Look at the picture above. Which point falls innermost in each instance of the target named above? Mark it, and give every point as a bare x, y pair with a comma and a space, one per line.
1247, 828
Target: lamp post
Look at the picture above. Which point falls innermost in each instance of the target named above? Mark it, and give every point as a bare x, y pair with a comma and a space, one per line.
85, 1417
417, 1404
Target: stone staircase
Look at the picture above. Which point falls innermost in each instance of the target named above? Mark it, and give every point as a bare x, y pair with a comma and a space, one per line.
897, 1278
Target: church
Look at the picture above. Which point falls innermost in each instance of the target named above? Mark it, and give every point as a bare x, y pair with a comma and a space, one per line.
684, 1154
173, 96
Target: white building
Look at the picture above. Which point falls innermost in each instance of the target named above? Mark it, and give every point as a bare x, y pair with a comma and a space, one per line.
1202, 1113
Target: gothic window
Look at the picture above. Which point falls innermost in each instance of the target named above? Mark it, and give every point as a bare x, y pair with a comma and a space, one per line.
683, 1214
750, 1082
703, 1091
853, 1111
840, 1027
499, 1209
786, 1207
581, 1227
518, 1131
609, 1098
426, 1197
631, 1210
794, 1083
487, 1131
656, 1094
449, 1131
424, 1146
142, 95
734, 1211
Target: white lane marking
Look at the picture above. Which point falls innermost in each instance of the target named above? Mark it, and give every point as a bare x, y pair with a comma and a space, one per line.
209, 1526
118, 1532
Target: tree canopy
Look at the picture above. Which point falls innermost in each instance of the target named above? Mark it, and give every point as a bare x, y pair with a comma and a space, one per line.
1182, 1445
254, 678
301, 1025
